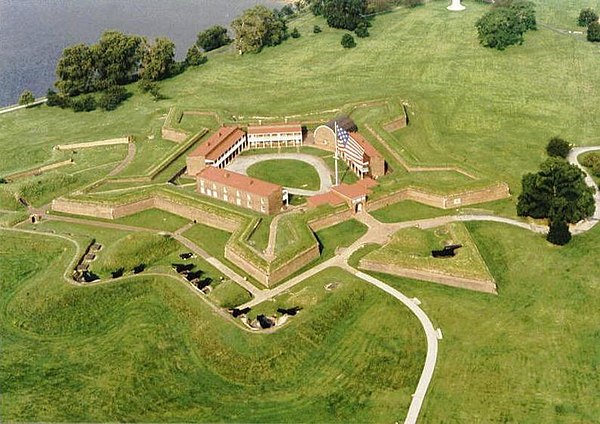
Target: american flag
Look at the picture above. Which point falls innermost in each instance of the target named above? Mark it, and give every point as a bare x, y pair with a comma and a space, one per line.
343, 136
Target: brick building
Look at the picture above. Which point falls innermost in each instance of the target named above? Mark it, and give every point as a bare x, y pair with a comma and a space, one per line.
241, 190
274, 135
220, 149
358, 153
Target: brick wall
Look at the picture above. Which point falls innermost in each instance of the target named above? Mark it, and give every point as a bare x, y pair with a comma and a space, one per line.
330, 220
85, 209
485, 286
172, 135
488, 194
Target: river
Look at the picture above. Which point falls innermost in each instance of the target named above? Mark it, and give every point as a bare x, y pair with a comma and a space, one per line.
33, 33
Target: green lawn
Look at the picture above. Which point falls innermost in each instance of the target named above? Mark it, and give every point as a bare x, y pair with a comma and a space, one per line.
530, 354
411, 248
408, 210
150, 350
287, 172
339, 235
154, 219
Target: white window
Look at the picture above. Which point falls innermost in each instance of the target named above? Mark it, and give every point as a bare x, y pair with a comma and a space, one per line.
237, 193
225, 197
262, 208
239, 202
248, 198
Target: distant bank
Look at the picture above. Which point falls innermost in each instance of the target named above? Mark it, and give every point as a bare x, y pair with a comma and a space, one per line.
33, 33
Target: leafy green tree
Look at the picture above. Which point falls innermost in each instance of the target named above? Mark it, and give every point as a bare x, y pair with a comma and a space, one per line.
158, 60
505, 24
26, 98
348, 41
56, 99
593, 32
587, 16
317, 29
295, 33
256, 28
213, 38
558, 192
559, 233
76, 70
118, 58
557, 147
344, 14
195, 57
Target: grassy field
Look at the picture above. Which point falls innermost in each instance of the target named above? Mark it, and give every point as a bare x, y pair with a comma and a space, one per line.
149, 350
530, 354
154, 219
287, 172
411, 248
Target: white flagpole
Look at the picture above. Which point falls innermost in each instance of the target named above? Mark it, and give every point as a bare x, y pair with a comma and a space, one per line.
337, 182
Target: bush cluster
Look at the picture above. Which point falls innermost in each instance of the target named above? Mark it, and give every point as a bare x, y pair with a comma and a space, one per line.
506, 24
557, 147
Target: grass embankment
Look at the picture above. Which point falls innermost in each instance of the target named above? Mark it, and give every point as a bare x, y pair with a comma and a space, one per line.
411, 248
97, 353
287, 173
530, 354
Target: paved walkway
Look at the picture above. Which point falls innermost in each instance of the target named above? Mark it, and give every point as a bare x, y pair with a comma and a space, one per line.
19, 107
242, 163
573, 158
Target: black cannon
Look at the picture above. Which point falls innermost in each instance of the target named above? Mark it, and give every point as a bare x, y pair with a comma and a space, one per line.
289, 311
237, 312
446, 252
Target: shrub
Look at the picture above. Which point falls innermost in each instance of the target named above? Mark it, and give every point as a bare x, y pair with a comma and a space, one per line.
56, 99
213, 38
146, 85
26, 98
317, 29
295, 33
593, 33
557, 147
344, 14
362, 30
559, 233
155, 93
592, 161
348, 41
112, 97
587, 16
86, 103
414, 3
195, 57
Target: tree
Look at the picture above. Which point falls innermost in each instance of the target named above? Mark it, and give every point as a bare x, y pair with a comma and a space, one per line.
195, 57
344, 14
118, 58
76, 70
256, 28
316, 29
505, 25
295, 33
362, 30
158, 60
558, 192
56, 99
213, 38
587, 16
26, 98
559, 233
557, 147
348, 41
593, 32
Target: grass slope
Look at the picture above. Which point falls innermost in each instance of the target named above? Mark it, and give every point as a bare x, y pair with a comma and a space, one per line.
149, 350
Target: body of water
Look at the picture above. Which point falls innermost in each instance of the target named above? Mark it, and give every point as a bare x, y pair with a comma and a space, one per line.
33, 33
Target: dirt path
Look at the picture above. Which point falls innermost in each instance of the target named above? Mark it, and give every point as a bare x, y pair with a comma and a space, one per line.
131, 150
573, 158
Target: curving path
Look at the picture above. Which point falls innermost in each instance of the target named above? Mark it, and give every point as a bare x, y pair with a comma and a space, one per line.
241, 164
573, 158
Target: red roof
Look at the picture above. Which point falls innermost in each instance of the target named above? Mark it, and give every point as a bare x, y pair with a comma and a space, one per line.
238, 181
330, 198
367, 147
274, 129
218, 143
353, 191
